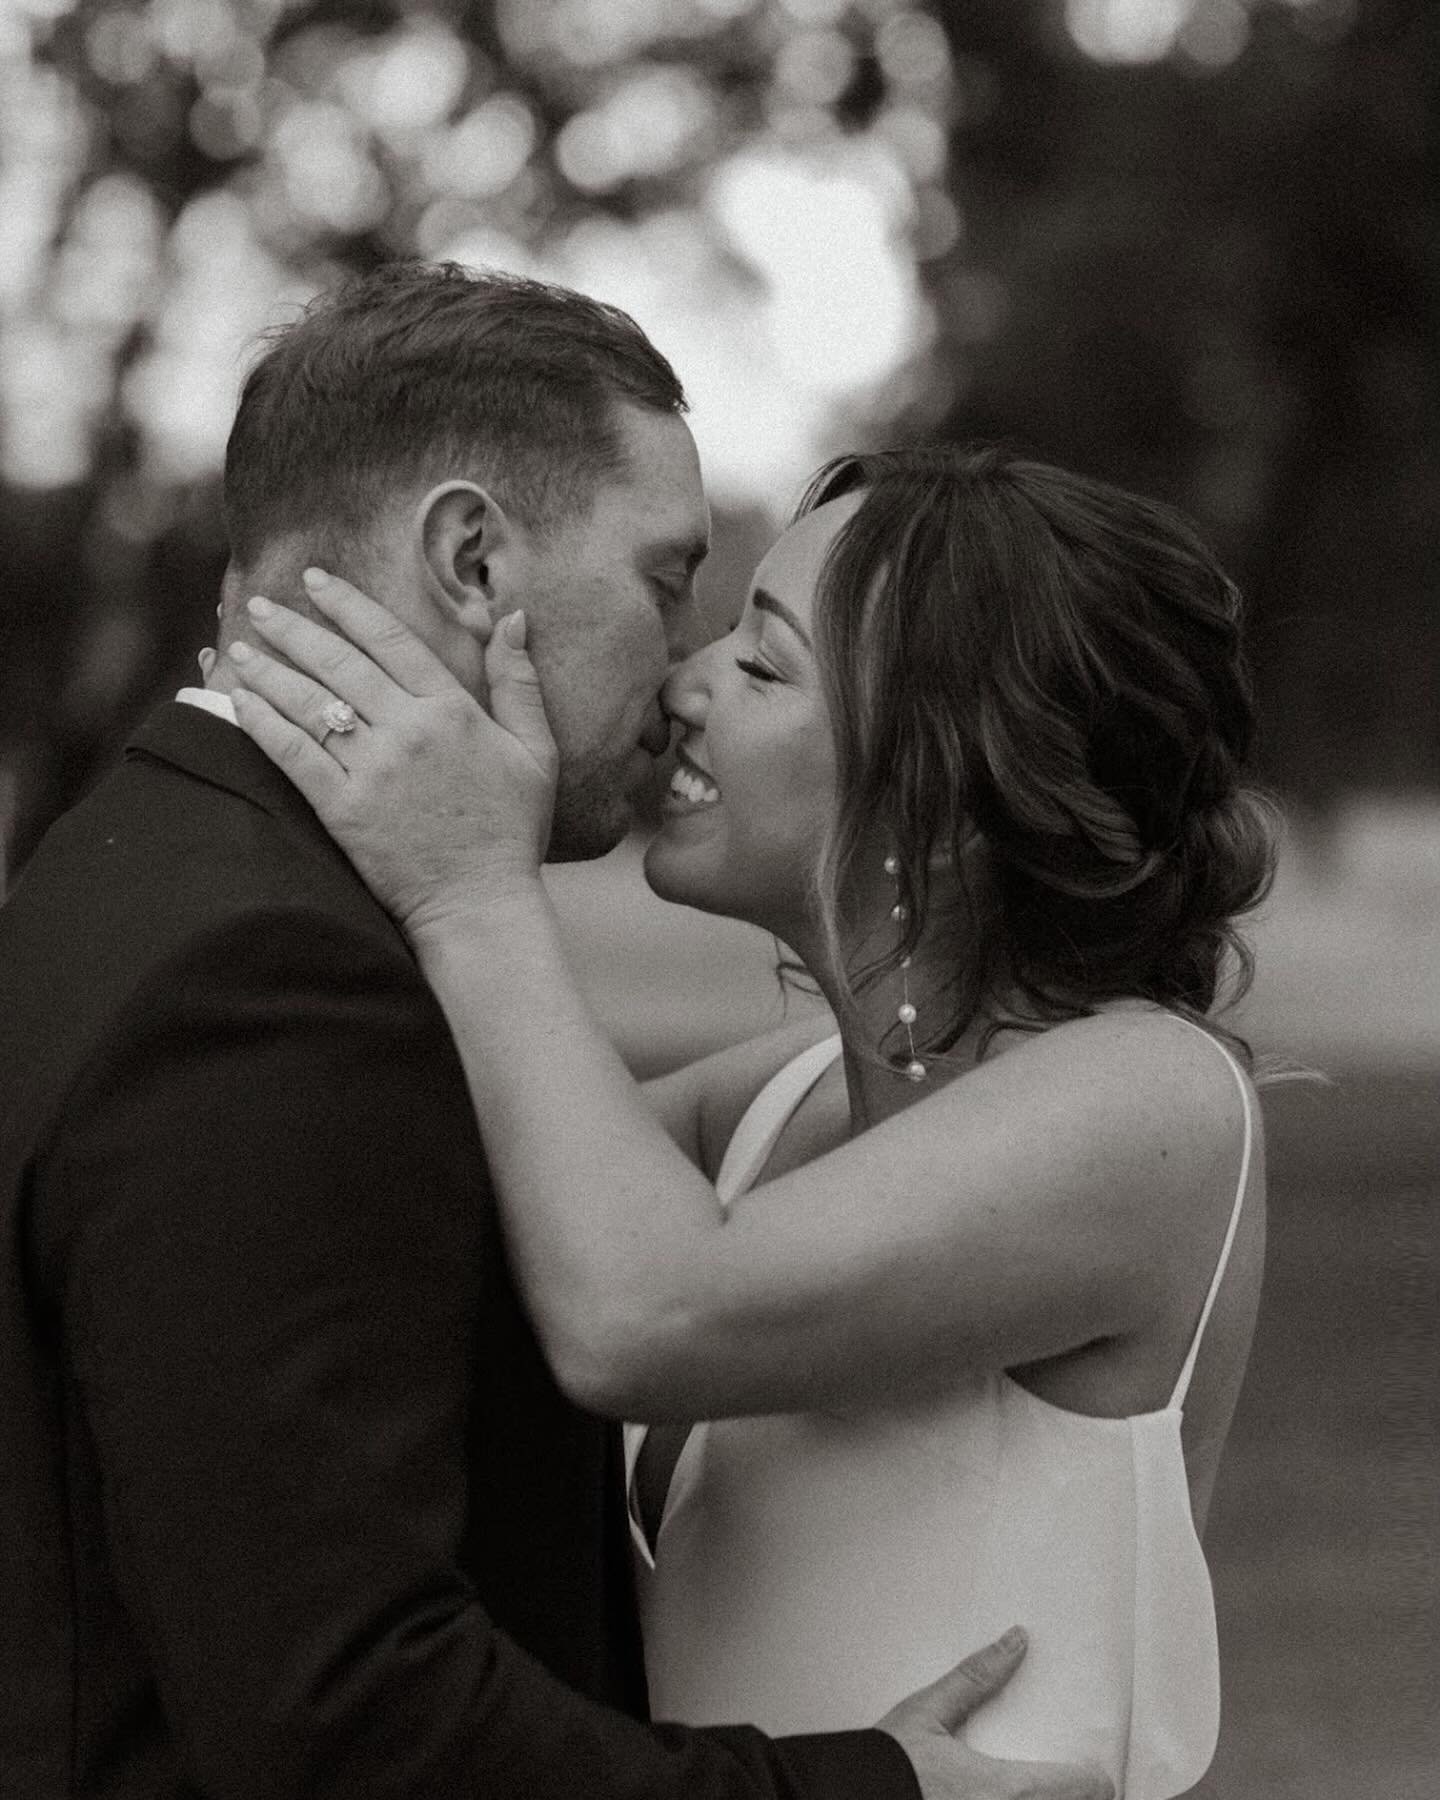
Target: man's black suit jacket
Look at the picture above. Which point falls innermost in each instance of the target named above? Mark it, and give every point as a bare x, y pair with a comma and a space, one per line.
289, 1504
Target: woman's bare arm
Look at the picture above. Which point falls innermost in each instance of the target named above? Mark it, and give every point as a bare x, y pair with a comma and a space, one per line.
1033, 1206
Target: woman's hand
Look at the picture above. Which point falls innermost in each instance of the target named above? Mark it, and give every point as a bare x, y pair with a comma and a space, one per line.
441, 806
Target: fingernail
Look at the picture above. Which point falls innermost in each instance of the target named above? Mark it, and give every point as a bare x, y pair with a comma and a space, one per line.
515, 628
1014, 1639
240, 652
259, 607
314, 578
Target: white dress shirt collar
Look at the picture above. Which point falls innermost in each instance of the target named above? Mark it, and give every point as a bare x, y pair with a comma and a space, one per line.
208, 701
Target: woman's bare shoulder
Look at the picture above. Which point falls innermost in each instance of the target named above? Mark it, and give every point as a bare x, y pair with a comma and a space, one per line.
1136, 1051
1159, 1105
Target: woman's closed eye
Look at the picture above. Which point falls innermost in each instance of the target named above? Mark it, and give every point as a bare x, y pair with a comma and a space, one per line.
752, 665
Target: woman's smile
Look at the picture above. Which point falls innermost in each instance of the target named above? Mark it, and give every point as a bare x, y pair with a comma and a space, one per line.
691, 789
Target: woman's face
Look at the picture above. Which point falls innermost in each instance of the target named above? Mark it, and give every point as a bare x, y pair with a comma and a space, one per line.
754, 789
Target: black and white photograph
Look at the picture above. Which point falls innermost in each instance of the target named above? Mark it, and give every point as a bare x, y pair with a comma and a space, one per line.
719, 899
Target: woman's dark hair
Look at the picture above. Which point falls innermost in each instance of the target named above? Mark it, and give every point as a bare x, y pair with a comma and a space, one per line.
1036, 680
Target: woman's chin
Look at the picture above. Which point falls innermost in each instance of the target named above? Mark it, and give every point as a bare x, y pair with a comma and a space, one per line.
670, 871
675, 871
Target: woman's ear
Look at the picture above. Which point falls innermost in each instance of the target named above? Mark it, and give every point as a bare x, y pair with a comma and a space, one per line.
465, 541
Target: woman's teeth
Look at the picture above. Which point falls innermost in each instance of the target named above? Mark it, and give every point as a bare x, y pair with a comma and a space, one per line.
686, 785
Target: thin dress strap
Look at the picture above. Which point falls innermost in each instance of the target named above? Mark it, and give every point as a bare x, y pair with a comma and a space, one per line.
1182, 1386
765, 1118
745, 1156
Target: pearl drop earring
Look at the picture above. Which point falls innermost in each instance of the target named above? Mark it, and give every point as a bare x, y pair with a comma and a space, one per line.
914, 1070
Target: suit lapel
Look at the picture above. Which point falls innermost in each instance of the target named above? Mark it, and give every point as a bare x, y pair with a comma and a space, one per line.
210, 749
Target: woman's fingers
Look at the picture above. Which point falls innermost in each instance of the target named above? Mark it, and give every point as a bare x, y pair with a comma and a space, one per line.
343, 671
515, 698
295, 697
313, 770
389, 643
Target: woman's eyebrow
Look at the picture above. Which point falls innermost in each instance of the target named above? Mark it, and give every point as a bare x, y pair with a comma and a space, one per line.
764, 601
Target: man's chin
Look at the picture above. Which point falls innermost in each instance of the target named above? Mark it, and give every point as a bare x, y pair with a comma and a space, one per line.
587, 826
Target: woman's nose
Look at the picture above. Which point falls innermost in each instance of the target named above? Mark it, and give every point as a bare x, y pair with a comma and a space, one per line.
686, 690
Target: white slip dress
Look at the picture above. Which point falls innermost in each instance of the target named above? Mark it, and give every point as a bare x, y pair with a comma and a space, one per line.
811, 1569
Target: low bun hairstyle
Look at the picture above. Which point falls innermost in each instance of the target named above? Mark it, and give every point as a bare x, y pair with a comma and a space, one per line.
1038, 679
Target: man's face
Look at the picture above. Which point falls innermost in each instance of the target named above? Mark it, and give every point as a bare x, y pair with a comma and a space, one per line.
609, 603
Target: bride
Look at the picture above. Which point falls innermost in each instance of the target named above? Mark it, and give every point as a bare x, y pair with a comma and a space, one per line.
962, 1287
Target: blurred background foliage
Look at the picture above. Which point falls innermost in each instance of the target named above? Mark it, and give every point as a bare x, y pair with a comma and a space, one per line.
1186, 244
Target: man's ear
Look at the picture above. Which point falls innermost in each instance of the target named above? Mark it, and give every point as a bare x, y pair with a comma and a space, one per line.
467, 542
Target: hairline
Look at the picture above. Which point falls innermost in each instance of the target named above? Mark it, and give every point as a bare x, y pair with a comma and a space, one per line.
442, 461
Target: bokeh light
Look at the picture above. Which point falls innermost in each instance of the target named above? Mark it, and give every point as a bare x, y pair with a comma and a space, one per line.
644, 126
224, 289
484, 151
1203, 34
785, 287
1128, 31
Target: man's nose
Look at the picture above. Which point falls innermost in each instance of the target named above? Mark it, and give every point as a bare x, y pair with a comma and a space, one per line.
684, 630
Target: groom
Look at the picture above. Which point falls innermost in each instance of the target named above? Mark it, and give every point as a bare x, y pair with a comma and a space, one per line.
290, 1505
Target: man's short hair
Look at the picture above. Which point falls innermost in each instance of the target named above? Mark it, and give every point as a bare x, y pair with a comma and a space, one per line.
422, 370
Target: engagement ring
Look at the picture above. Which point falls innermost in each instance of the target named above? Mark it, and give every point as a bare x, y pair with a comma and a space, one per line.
339, 717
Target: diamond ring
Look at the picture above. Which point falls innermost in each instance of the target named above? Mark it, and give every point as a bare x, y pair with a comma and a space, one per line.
337, 716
